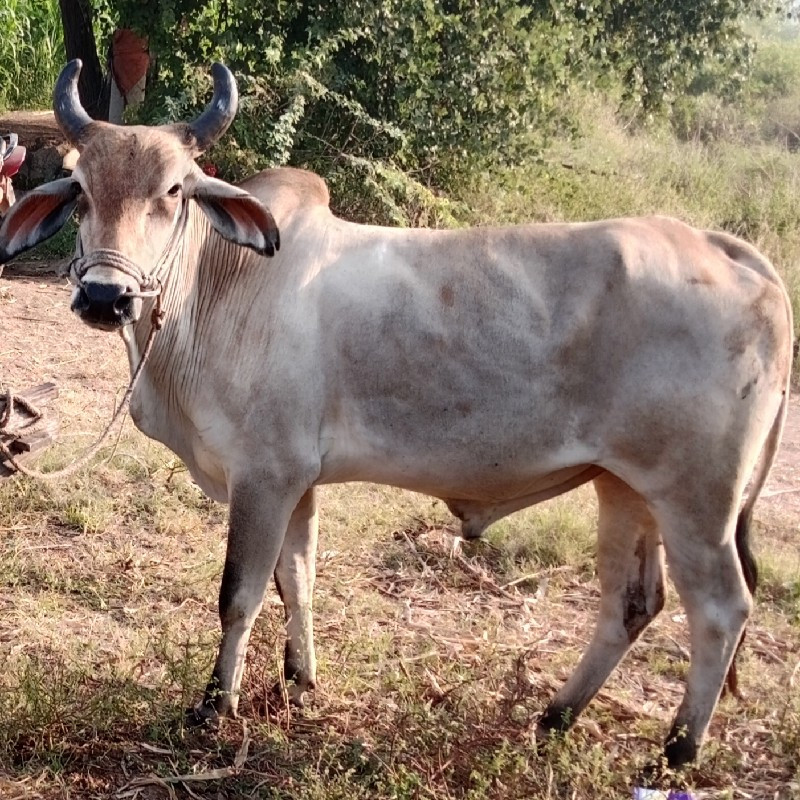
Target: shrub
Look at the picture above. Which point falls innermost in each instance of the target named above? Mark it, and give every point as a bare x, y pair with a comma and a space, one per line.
434, 89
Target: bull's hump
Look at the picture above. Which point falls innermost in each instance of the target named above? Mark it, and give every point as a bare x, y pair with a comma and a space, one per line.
287, 189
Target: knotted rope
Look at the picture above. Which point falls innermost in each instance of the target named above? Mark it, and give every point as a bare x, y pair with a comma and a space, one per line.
78, 267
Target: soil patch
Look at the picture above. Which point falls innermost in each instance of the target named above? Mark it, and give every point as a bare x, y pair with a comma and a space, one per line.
41, 340
35, 128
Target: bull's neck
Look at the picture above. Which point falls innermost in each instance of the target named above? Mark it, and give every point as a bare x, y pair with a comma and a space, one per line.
189, 283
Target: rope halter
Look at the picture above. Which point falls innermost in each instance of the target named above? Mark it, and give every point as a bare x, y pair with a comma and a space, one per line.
149, 283
80, 265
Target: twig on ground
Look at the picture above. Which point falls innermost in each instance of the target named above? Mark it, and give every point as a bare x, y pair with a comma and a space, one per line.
426, 569
532, 576
682, 651
487, 581
132, 789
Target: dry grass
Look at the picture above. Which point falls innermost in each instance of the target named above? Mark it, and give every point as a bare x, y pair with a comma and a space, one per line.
434, 659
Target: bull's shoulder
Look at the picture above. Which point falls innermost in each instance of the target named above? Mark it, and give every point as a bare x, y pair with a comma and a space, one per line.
287, 189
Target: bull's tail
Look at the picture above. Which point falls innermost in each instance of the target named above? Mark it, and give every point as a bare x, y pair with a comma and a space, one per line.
742, 537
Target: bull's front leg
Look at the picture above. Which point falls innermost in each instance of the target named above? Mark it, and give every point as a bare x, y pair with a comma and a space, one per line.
259, 516
294, 577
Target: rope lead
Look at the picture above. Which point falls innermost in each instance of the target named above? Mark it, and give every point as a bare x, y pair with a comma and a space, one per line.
156, 319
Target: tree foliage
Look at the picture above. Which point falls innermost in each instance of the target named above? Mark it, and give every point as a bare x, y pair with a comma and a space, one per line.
430, 88
657, 47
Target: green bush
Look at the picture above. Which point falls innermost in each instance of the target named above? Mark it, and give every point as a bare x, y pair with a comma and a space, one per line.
752, 106
435, 90
368, 91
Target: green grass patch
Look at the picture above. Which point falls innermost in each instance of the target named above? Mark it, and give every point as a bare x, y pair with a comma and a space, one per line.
779, 583
555, 534
430, 677
31, 53
60, 245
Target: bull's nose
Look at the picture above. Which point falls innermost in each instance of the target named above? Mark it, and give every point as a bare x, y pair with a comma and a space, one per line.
105, 304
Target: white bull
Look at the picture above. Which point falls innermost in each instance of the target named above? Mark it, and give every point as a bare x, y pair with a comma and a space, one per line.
492, 368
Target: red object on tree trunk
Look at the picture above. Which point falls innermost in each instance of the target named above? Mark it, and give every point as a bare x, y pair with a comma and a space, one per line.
130, 59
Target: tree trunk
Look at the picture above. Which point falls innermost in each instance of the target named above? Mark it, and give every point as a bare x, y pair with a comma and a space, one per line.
76, 17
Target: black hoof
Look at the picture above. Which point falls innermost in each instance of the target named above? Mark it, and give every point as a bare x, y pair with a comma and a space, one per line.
202, 715
555, 719
680, 749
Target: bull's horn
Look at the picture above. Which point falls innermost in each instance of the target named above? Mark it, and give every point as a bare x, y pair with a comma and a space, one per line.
219, 113
70, 114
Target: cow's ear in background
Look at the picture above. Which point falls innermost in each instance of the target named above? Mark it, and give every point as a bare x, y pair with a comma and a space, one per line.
36, 217
237, 215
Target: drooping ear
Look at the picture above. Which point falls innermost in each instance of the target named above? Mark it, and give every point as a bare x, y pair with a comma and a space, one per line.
237, 215
36, 217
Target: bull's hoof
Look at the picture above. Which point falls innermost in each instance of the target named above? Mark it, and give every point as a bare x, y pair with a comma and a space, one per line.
203, 715
554, 720
291, 694
680, 751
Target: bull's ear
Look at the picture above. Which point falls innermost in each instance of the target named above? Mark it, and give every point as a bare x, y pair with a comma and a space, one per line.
36, 217
237, 215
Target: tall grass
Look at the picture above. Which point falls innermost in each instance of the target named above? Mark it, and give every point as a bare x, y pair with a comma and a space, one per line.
31, 52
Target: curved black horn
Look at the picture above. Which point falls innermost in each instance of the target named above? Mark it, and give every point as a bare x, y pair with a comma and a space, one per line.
70, 114
219, 113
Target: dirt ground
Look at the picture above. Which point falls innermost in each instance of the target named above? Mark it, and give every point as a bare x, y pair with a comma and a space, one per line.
34, 128
40, 340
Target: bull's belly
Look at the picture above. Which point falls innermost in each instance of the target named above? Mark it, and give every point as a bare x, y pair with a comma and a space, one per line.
471, 490
477, 495
482, 474
477, 515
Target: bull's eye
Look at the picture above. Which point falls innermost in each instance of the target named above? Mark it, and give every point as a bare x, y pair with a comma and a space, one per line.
175, 190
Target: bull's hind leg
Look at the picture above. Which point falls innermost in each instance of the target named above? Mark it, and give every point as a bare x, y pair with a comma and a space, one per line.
630, 567
707, 573
294, 577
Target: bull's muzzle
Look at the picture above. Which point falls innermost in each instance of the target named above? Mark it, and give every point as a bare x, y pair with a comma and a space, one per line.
105, 305
109, 288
